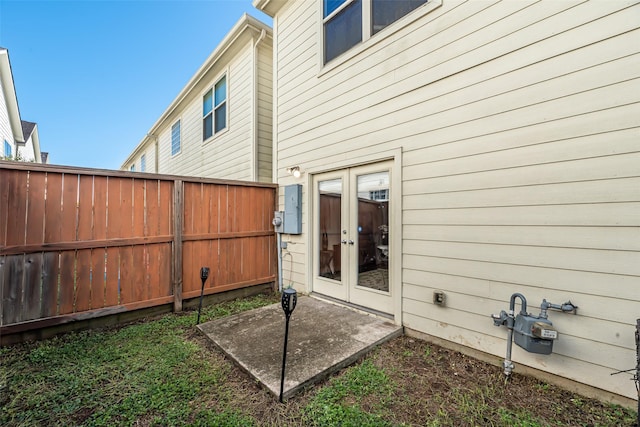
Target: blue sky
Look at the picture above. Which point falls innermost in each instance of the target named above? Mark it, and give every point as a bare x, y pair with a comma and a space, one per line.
96, 75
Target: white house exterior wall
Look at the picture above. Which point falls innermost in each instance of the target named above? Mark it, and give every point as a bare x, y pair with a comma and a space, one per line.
27, 152
264, 121
5, 126
226, 155
243, 150
518, 124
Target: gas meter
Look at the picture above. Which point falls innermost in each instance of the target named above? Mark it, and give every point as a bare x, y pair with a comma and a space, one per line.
534, 334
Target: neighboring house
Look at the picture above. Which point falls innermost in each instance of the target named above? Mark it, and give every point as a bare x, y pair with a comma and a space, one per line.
30, 150
220, 125
474, 149
19, 139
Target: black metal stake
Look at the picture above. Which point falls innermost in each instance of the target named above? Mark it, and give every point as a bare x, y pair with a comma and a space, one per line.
289, 300
204, 273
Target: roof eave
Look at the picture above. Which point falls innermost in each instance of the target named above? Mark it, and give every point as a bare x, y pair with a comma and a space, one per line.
270, 7
11, 99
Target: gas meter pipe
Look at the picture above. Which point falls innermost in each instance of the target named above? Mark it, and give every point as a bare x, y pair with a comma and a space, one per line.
508, 364
279, 243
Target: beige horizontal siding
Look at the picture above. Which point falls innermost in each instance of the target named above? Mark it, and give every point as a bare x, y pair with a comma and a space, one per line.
228, 154
518, 124
264, 117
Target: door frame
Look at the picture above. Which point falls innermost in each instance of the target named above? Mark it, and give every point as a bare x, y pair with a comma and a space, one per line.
395, 219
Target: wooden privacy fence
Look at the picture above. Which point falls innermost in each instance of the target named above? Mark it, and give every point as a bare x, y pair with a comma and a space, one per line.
79, 243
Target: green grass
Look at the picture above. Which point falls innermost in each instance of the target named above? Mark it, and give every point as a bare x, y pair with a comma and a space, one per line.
162, 372
340, 403
146, 371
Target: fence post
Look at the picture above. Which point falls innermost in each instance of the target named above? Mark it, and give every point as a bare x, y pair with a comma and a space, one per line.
176, 265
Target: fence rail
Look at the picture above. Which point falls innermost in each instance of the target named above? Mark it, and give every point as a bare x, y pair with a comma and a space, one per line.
83, 243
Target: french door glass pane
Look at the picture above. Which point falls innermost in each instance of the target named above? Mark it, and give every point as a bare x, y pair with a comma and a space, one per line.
373, 231
330, 194
343, 31
385, 12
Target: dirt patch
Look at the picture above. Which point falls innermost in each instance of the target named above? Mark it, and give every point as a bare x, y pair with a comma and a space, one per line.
434, 386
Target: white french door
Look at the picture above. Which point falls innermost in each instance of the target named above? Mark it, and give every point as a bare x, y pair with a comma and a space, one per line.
351, 245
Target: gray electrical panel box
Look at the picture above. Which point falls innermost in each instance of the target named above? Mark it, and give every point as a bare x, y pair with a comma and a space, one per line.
534, 334
293, 209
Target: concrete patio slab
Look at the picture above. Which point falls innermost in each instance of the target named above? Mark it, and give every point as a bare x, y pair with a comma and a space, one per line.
323, 338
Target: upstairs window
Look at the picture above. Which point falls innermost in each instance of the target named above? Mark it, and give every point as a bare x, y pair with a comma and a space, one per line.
349, 22
175, 138
143, 163
214, 109
386, 12
133, 168
7, 149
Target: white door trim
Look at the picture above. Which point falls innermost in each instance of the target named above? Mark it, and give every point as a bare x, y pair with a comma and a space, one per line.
395, 218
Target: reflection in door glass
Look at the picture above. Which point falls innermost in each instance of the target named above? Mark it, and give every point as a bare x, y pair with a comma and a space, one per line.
329, 239
373, 231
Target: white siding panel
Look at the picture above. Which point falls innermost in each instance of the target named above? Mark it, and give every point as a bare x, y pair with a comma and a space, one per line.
614, 238
601, 214
597, 261
518, 123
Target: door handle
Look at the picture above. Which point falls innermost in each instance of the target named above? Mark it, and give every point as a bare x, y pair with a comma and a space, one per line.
344, 242
351, 242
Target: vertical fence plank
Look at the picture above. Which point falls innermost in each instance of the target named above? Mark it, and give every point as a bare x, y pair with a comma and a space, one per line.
187, 259
166, 279
112, 282
52, 210
167, 208
126, 275
98, 277
12, 288
138, 273
126, 208
50, 277
35, 209
100, 191
68, 224
154, 275
152, 220
85, 208
83, 280
67, 281
17, 207
113, 208
30, 307
114, 218
4, 201
178, 216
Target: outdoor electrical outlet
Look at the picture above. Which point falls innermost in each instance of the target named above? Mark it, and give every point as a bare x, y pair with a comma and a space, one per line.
438, 298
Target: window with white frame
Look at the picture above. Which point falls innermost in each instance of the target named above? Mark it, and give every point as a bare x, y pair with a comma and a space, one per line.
143, 163
349, 22
7, 149
214, 109
133, 167
175, 138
